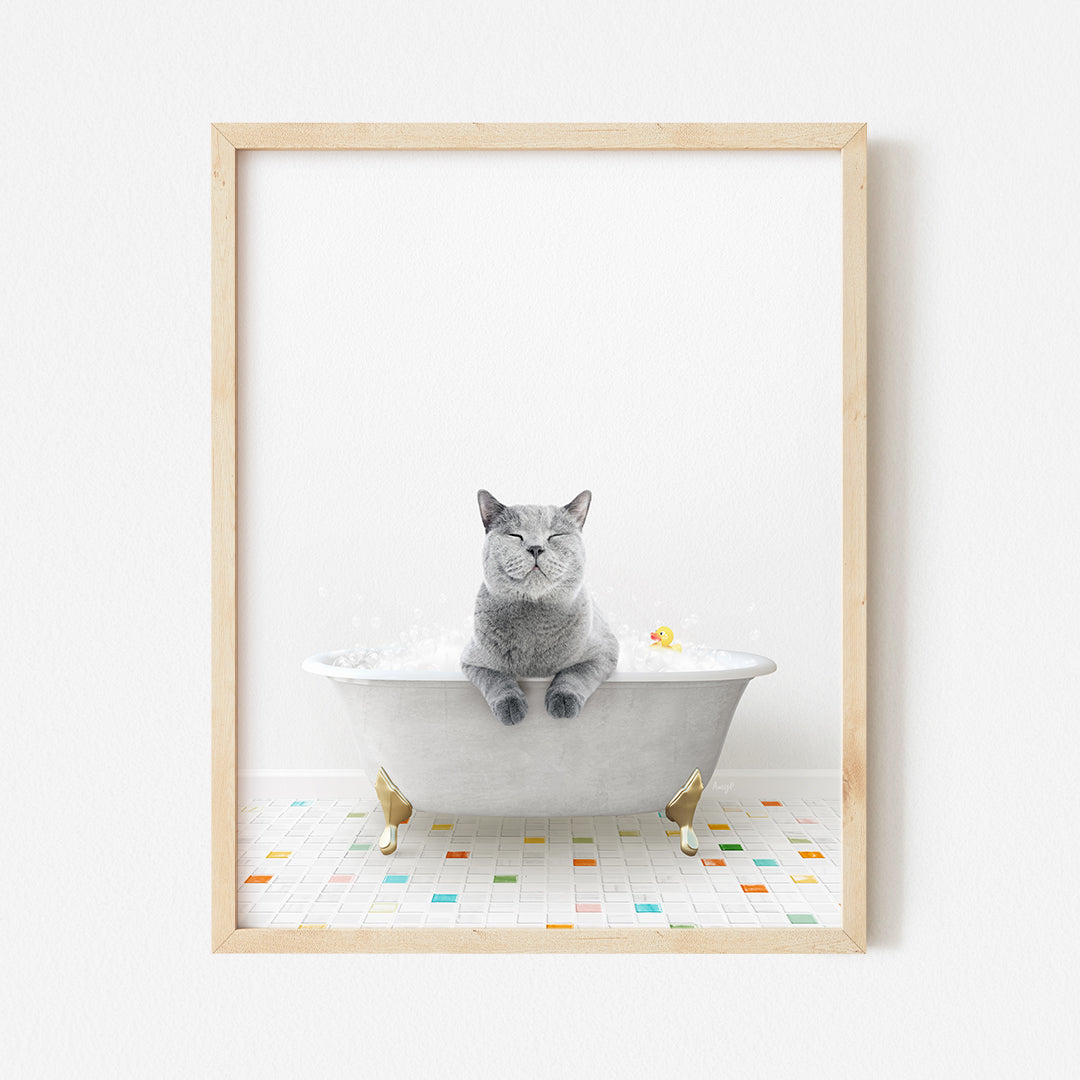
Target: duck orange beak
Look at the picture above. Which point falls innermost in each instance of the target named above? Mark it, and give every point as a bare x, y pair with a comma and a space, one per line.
655, 636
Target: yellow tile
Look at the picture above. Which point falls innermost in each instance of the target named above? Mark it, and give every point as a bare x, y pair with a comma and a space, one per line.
535, 839
806, 879
279, 854
383, 905
434, 827
313, 926
629, 832
672, 832
712, 826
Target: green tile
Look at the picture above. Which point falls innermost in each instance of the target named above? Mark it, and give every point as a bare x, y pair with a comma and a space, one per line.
731, 847
683, 926
584, 840
505, 879
801, 918
357, 813
798, 839
360, 847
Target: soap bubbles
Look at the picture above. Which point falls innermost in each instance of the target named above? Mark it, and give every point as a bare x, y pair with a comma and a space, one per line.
359, 658
430, 645
637, 653
418, 648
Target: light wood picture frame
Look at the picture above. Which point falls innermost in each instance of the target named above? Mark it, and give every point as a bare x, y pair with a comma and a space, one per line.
850, 141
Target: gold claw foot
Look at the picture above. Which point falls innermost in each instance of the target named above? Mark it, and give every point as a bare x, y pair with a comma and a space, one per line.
396, 810
681, 811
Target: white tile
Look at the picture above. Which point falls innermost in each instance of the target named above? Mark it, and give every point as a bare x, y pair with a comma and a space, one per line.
648, 868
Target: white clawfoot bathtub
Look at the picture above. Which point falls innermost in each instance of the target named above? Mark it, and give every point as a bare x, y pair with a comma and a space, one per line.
634, 747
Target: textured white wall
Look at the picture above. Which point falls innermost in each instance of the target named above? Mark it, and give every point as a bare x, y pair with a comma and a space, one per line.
661, 328
104, 443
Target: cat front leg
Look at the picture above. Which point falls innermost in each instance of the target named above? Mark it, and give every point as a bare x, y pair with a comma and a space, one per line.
501, 692
572, 686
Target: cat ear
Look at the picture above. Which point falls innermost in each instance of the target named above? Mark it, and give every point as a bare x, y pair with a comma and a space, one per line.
579, 507
490, 508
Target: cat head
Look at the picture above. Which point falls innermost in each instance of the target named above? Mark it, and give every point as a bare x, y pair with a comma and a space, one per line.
532, 552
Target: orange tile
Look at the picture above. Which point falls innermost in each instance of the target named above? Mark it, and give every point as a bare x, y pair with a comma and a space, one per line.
764, 803
672, 832
313, 926
258, 879
584, 862
560, 926
811, 855
535, 840
754, 888
713, 862
457, 854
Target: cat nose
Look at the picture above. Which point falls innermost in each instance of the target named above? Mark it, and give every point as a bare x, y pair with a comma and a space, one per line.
534, 551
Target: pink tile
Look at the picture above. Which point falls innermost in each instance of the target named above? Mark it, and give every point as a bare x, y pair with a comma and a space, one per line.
586, 907
342, 879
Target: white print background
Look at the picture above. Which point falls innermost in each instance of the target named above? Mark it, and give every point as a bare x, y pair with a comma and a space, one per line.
105, 534
663, 328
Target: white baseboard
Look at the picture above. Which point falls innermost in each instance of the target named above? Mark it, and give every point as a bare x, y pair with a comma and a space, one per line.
776, 784
726, 783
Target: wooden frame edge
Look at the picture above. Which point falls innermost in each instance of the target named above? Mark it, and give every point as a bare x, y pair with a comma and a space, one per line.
226, 140
223, 538
510, 940
853, 165
542, 136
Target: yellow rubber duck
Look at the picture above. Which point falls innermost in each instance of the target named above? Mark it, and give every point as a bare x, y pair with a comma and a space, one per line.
661, 639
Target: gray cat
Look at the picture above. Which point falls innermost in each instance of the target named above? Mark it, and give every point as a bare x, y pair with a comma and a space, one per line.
534, 616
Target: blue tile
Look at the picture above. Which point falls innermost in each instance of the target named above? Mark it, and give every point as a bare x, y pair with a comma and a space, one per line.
444, 898
302, 802
395, 879
646, 907
766, 862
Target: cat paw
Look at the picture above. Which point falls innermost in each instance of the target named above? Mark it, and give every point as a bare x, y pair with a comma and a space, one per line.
563, 703
510, 709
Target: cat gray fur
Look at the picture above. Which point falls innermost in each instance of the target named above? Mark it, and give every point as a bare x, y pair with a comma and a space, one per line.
533, 615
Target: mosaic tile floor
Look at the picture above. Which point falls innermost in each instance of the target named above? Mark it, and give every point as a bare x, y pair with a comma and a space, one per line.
316, 862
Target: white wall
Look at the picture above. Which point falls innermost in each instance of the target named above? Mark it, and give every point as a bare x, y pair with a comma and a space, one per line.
104, 309
661, 328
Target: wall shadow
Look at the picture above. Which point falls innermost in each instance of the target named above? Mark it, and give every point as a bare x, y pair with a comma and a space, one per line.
893, 255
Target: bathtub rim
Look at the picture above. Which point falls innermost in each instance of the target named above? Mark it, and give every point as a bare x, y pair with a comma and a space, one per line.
322, 664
